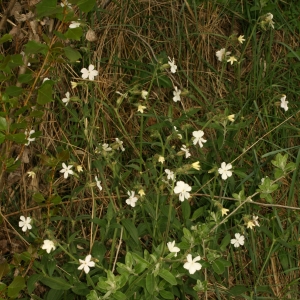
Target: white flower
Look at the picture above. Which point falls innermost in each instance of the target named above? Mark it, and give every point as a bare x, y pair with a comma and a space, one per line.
86, 264
170, 174
141, 108
141, 192
183, 190
269, 20
231, 59
75, 24
198, 138
67, 99
132, 199
98, 183
225, 170
176, 94
196, 165
25, 223
250, 224
144, 94
238, 241
241, 39
74, 84
66, 3
31, 174
179, 135
255, 221
224, 211
171, 62
222, 54
28, 136
172, 248
120, 144
45, 79
106, 147
161, 159
191, 265
79, 168
48, 246
231, 118
89, 73
66, 170
284, 103
186, 151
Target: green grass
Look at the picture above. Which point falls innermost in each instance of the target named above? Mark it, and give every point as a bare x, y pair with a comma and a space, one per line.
129, 244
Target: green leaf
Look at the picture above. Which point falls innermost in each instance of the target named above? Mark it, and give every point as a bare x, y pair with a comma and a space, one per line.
13, 91
5, 38
33, 47
3, 124
167, 276
25, 78
55, 199
150, 283
47, 8
225, 242
167, 295
18, 138
2, 138
38, 197
32, 280
92, 296
16, 286
86, 5
131, 229
74, 33
44, 94
186, 210
4, 269
119, 295
72, 54
56, 283
238, 290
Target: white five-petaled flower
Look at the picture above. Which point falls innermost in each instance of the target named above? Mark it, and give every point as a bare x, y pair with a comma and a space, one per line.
66, 170
144, 94
48, 246
224, 211
171, 62
198, 138
241, 39
74, 24
161, 159
25, 223
179, 135
269, 20
141, 108
120, 144
191, 265
231, 59
65, 3
222, 54
238, 241
132, 199
250, 224
255, 221
170, 174
186, 151
28, 136
106, 147
225, 170
172, 248
31, 174
89, 73
86, 264
98, 183
79, 168
183, 190
67, 99
196, 165
141, 192
176, 94
284, 103
231, 118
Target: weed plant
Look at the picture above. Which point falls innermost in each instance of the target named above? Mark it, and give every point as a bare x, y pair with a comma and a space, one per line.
149, 149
